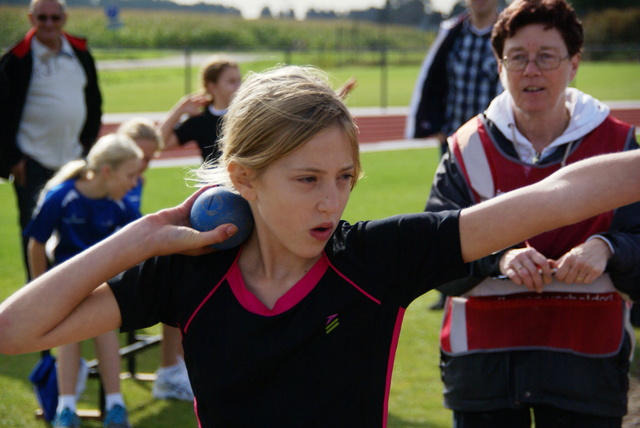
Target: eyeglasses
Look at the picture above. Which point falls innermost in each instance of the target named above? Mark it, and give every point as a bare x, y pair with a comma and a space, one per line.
544, 61
53, 18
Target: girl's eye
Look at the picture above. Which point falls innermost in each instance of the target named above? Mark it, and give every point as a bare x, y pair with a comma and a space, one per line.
347, 177
309, 179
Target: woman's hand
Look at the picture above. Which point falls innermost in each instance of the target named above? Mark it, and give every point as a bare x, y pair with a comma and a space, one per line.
526, 266
584, 263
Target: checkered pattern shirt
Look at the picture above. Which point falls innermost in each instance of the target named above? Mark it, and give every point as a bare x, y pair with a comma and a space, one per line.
473, 77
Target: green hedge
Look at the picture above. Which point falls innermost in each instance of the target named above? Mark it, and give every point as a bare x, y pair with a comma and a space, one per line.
170, 29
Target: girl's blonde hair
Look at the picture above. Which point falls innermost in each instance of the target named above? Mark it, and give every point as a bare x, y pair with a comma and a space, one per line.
273, 114
141, 128
112, 149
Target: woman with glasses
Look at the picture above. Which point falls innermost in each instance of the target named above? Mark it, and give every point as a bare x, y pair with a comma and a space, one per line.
539, 329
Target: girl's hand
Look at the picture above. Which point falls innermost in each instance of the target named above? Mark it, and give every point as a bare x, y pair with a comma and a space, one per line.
170, 231
192, 105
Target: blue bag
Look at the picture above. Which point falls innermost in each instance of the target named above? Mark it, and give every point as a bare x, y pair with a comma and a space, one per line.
45, 384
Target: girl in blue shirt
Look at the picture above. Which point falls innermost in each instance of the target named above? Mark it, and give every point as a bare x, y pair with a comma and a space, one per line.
80, 206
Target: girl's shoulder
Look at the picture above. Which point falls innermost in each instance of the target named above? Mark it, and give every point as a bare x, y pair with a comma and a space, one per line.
65, 186
60, 191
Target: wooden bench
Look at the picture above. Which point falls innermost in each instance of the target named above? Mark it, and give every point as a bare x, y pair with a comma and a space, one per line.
135, 343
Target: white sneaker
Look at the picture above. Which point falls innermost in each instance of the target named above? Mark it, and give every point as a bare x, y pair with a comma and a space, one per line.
83, 374
172, 382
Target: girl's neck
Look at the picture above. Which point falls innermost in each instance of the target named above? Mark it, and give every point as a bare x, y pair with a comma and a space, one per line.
219, 105
269, 275
92, 188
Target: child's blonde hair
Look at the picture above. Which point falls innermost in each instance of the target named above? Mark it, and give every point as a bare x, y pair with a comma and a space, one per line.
142, 128
273, 114
112, 149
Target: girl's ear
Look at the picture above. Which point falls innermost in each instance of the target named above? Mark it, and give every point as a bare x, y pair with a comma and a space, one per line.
242, 179
105, 171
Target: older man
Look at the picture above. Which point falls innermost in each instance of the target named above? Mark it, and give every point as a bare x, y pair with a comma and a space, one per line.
50, 103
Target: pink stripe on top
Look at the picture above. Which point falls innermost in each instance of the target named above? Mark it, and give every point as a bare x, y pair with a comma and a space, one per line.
186, 326
392, 358
369, 296
288, 300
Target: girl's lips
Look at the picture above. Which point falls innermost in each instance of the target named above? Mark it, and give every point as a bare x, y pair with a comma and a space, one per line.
322, 232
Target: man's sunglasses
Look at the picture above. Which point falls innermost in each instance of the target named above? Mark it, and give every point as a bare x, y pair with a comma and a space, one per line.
53, 18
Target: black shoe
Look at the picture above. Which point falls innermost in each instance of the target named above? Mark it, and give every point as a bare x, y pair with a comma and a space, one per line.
439, 305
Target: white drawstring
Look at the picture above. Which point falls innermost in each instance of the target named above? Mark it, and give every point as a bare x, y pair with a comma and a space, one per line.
536, 158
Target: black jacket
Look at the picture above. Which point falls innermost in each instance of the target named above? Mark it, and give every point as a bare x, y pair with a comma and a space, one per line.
15, 76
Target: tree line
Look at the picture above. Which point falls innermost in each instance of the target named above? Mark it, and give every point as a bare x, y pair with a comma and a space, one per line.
404, 12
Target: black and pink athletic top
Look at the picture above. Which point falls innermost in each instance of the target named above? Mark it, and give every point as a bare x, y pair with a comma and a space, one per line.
323, 355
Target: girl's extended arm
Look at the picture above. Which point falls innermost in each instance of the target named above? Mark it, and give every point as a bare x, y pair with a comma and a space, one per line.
71, 302
572, 194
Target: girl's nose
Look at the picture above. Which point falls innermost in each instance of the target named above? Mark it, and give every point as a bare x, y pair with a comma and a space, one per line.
330, 199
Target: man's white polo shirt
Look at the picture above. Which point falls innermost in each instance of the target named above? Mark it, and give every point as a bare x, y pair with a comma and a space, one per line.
55, 109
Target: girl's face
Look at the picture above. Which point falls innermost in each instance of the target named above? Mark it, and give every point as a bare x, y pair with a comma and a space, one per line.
121, 180
149, 149
299, 199
223, 89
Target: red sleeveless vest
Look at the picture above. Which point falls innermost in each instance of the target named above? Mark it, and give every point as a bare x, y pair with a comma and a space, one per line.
573, 319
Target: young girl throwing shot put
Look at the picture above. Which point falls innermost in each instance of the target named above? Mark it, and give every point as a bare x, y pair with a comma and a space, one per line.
298, 326
81, 205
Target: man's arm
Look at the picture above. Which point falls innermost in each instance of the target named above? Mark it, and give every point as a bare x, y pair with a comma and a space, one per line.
14, 79
93, 102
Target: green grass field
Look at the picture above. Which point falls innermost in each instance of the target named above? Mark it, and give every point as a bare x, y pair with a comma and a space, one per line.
137, 90
395, 182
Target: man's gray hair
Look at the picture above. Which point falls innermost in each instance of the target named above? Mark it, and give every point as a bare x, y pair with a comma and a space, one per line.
62, 3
